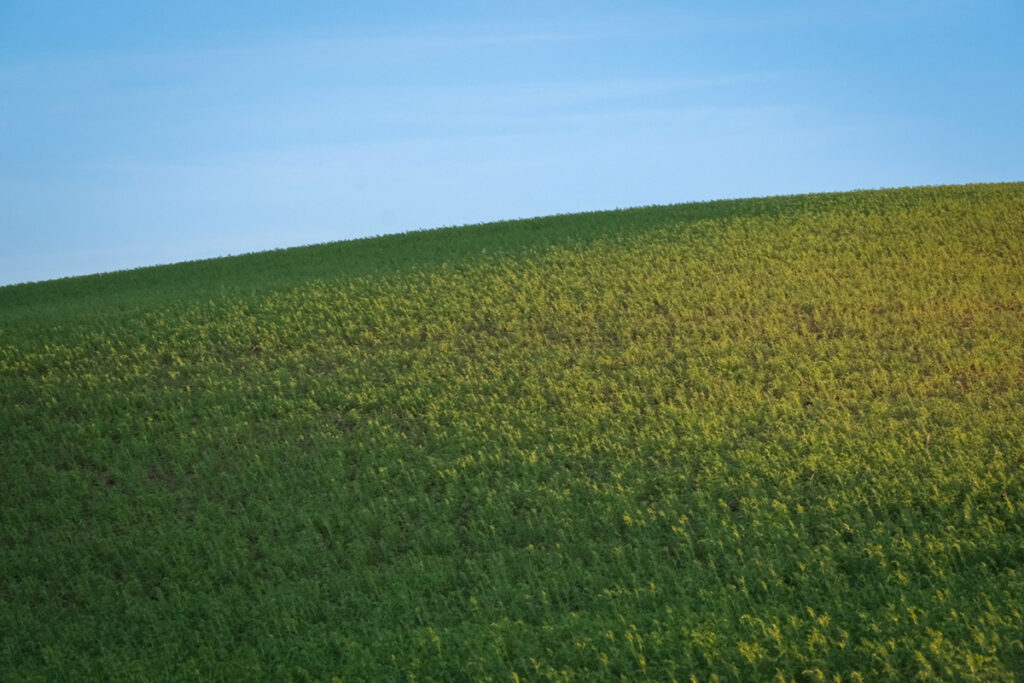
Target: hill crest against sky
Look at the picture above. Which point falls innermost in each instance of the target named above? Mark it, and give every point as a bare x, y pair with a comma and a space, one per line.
501, 235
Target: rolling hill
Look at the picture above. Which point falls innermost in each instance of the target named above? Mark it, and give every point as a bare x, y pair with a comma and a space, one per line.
777, 438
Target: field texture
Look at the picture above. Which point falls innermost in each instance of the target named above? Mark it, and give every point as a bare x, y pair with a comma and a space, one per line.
741, 440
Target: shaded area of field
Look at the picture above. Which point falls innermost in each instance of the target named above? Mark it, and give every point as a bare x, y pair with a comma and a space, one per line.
754, 438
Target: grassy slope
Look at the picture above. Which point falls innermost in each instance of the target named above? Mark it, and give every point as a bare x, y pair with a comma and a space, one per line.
746, 438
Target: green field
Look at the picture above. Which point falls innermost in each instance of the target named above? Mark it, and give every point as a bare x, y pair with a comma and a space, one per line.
756, 439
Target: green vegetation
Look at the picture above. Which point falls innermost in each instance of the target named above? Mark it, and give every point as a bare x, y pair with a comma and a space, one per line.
755, 439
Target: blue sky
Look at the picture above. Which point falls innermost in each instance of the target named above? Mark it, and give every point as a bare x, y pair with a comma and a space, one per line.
136, 133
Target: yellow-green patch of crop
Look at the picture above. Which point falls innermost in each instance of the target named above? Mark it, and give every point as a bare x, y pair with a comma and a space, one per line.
774, 438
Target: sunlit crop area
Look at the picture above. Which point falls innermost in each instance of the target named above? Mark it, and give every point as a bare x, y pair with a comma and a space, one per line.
740, 440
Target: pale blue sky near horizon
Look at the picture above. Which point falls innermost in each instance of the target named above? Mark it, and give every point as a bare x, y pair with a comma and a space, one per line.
134, 134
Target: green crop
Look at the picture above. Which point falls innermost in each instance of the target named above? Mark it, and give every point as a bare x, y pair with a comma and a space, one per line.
744, 440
